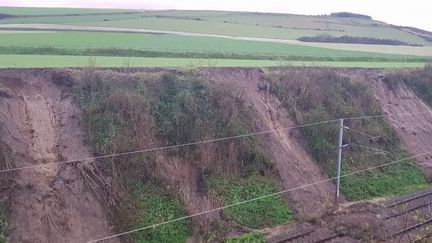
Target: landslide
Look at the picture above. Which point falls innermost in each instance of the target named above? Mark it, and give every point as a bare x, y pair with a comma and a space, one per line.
409, 92
48, 116
47, 202
314, 95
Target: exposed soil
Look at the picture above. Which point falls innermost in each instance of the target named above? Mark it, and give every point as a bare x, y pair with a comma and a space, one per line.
49, 203
414, 130
294, 165
60, 203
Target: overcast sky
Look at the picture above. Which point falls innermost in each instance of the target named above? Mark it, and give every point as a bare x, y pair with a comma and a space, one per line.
415, 13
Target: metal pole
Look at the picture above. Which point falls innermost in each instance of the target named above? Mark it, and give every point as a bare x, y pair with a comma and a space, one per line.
339, 159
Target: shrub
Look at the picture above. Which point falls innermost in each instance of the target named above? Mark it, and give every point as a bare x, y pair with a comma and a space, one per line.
322, 95
127, 112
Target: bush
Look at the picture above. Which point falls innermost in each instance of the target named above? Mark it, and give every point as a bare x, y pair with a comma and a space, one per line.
323, 95
127, 112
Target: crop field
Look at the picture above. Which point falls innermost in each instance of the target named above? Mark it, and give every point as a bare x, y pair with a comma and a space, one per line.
243, 39
77, 42
39, 61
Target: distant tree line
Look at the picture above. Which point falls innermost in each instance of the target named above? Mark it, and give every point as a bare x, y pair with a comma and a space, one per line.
354, 40
350, 15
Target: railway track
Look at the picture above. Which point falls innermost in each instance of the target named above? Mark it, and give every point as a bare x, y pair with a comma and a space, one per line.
410, 204
412, 207
309, 236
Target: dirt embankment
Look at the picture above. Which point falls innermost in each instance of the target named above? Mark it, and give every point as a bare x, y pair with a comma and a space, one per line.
293, 163
49, 203
414, 130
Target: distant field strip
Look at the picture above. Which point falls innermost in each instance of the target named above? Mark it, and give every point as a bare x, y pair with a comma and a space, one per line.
173, 46
264, 25
396, 50
38, 61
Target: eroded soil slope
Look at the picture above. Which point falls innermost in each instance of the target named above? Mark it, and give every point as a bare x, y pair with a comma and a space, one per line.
415, 130
293, 163
50, 203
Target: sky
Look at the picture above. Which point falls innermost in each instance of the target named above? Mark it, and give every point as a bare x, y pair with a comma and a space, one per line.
414, 13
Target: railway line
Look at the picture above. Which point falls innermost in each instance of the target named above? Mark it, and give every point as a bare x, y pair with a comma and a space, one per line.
416, 211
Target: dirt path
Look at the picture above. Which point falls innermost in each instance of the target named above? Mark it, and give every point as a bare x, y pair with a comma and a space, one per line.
414, 130
294, 165
50, 203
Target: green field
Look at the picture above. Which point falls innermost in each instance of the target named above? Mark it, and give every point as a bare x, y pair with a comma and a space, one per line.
283, 26
275, 39
32, 11
40, 61
76, 42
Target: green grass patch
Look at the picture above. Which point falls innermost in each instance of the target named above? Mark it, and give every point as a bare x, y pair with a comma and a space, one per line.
3, 225
165, 45
155, 207
53, 61
392, 180
266, 212
324, 95
253, 237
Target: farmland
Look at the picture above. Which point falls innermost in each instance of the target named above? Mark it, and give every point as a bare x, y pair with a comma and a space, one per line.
39, 61
231, 38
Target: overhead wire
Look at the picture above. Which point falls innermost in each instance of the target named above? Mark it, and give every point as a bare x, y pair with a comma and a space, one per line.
255, 199
91, 159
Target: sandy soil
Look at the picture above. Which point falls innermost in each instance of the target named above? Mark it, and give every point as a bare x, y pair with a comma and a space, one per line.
50, 203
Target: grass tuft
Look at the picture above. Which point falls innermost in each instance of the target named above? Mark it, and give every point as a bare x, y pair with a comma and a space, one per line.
252, 237
155, 207
266, 212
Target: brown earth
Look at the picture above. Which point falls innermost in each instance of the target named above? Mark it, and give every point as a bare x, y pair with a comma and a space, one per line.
49, 203
415, 130
293, 163
59, 203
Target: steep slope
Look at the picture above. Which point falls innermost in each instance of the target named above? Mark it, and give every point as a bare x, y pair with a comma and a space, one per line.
293, 163
415, 130
50, 203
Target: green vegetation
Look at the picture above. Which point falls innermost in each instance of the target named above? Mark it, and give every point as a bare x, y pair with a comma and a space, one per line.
253, 237
323, 95
37, 61
54, 11
237, 38
120, 118
124, 112
151, 45
282, 26
155, 208
3, 225
266, 212
420, 81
